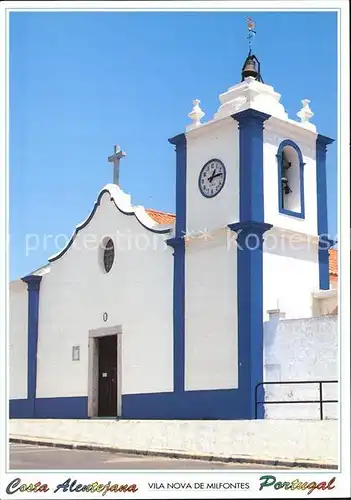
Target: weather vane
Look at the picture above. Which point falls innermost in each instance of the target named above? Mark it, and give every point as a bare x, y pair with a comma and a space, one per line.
251, 34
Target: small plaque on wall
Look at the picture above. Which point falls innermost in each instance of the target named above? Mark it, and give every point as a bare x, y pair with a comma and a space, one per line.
76, 353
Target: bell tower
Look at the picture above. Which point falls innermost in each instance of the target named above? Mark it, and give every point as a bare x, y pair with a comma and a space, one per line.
248, 239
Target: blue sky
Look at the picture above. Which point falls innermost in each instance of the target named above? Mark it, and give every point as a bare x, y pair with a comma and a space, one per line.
80, 82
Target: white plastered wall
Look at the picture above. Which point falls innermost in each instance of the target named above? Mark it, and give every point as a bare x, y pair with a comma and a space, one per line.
211, 338
18, 339
290, 273
325, 302
218, 140
305, 350
136, 294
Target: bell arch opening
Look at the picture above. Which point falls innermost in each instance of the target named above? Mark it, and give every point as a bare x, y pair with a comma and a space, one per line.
291, 184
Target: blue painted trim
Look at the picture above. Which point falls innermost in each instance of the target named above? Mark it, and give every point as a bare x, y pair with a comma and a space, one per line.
21, 408
199, 178
322, 211
251, 163
75, 407
250, 227
226, 404
250, 309
250, 231
178, 245
291, 213
220, 404
181, 152
282, 210
33, 286
324, 244
86, 222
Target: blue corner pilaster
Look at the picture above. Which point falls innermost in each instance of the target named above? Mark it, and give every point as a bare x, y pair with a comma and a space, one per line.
33, 286
178, 244
250, 230
324, 244
250, 310
180, 146
322, 211
251, 164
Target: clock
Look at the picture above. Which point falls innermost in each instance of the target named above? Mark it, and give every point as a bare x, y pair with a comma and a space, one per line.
212, 178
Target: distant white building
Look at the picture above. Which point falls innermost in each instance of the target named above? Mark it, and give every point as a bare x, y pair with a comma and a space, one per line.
147, 315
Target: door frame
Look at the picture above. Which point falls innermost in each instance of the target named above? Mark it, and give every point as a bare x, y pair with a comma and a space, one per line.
93, 368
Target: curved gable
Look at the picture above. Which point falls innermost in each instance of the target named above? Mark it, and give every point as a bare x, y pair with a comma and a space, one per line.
121, 200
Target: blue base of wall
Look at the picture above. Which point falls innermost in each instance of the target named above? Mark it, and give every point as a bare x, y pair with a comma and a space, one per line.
49, 408
227, 404
21, 408
61, 407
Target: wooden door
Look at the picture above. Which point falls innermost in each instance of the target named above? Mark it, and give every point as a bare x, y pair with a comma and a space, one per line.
107, 376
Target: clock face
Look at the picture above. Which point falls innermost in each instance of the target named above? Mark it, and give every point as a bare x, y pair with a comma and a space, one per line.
212, 178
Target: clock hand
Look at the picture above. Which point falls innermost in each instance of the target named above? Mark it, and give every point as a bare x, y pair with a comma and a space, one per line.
212, 176
217, 175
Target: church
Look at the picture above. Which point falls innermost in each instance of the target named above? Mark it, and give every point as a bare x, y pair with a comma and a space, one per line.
149, 315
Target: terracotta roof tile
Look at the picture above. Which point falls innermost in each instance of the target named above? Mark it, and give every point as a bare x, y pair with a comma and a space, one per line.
333, 262
161, 217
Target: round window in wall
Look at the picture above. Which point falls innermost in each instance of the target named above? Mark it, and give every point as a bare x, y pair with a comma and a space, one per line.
109, 255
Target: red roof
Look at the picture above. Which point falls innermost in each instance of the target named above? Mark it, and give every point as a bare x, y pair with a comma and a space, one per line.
161, 217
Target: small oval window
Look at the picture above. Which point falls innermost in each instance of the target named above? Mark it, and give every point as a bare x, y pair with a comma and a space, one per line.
109, 255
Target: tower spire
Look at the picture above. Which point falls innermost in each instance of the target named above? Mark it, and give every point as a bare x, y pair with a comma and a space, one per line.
251, 65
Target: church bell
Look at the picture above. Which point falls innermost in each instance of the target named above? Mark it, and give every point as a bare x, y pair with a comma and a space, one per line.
251, 68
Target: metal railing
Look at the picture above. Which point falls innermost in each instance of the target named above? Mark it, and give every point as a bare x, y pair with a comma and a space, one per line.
320, 401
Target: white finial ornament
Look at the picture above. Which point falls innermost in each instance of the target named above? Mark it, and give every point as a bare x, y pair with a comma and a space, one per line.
196, 114
305, 112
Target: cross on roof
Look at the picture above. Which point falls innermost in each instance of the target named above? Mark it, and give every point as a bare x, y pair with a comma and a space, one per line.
115, 159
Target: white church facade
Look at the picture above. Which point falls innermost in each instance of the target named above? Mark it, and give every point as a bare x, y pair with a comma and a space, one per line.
147, 315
